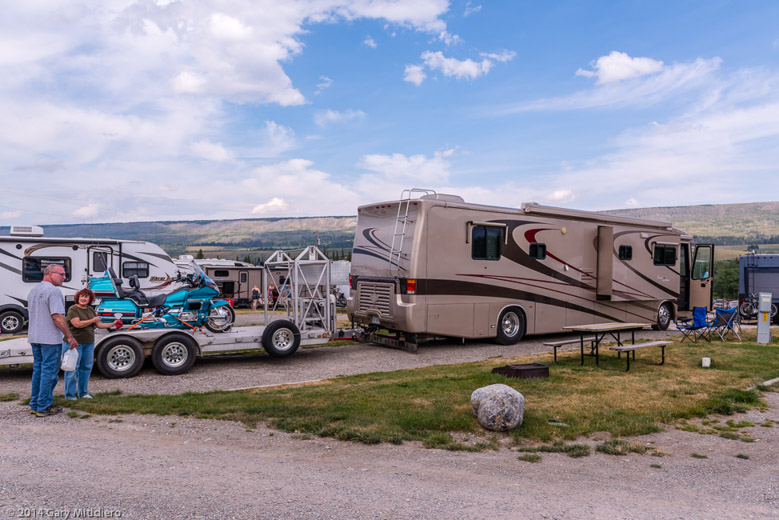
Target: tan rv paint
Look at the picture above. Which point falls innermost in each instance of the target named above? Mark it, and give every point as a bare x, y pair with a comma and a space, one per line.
463, 297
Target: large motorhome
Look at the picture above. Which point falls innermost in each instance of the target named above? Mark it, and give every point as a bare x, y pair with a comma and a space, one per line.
25, 253
438, 266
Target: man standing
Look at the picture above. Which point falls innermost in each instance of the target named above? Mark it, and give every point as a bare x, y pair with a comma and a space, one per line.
46, 307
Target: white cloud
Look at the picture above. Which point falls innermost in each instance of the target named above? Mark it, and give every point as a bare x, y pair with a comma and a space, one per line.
631, 203
641, 91
276, 138
561, 196
410, 169
370, 42
88, 211
471, 9
414, 74
210, 151
225, 27
452, 67
6, 215
460, 69
618, 66
273, 206
328, 117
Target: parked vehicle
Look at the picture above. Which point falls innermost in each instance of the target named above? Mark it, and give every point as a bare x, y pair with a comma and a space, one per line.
25, 253
438, 266
234, 279
756, 274
193, 306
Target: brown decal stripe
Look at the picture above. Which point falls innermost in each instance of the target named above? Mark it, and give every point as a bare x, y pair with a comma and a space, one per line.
3, 251
434, 287
9, 268
643, 277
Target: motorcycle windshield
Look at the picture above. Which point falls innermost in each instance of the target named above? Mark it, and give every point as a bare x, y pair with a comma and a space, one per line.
206, 280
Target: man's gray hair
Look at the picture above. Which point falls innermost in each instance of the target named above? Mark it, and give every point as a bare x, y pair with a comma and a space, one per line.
51, 267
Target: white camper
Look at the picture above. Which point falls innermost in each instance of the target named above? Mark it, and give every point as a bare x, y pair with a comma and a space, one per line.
25, 253
438, 266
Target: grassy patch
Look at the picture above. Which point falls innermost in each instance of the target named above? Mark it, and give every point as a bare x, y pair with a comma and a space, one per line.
530, 457
698, 456
742, 456
432, 404
620, 447
12, 396
656, 466
572, 450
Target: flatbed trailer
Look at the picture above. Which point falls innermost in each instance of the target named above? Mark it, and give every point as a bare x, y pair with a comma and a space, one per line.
309, 320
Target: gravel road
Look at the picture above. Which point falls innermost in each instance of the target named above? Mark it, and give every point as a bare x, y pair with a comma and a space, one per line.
173, 467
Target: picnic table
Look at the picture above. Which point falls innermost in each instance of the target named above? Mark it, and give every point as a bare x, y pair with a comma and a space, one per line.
598, 331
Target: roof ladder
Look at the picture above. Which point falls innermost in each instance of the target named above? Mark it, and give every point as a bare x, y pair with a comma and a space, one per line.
401, 225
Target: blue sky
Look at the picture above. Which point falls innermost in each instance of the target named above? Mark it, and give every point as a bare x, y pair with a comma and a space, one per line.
128, 110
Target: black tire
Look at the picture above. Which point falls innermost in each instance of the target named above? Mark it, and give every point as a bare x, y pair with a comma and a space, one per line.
213, 325
120, 357
511, 326
11, 322
174, 354
281, 338
773, 310
664, 316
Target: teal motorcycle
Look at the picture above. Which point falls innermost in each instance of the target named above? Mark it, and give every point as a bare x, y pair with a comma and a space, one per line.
192, 306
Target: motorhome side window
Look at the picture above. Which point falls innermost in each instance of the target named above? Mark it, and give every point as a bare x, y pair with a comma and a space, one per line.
538, 251
99, 261
626, 252
665, 254
135, 268
33, 267
485, 242
243, 278
221, 273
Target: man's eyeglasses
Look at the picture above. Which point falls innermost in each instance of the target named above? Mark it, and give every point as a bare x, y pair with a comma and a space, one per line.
61, 274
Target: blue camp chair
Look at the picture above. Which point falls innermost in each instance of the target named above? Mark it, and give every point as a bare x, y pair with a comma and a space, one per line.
726, 321
696, 328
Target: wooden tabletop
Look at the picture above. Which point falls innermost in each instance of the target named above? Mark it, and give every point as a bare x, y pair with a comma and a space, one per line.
607, 327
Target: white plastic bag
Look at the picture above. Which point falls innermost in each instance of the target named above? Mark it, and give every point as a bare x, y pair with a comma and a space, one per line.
70, 360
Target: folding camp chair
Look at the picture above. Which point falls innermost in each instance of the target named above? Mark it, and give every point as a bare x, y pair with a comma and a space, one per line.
696, 328
726, 321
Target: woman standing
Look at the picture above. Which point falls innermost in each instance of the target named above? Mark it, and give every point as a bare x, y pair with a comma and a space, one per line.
82, 320
255, 297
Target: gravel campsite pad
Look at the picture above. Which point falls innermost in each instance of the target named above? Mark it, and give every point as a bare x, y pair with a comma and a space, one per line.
174, 467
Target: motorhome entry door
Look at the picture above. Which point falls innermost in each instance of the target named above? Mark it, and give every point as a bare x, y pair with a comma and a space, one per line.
99, 258
701, 277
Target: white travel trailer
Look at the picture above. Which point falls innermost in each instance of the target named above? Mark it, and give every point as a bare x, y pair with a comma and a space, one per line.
25, 253
438, 266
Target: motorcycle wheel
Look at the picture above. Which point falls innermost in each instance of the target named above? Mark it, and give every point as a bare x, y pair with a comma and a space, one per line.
220, 319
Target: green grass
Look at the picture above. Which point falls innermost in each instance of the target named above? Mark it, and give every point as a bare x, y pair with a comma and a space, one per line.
530, 457
432, 404
12, 396
698, 456
572, 450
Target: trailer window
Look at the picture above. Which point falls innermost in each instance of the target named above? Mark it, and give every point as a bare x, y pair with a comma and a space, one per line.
243, 277
221, 273
99, 261
135, 268
33, 267
664, 255
538, 251
485, 242
626, 252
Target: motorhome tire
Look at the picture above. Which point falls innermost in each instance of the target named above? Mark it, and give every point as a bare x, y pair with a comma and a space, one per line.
174, 354
663, 317
215, 318
11, 321
511, 326
120, 357
281, 338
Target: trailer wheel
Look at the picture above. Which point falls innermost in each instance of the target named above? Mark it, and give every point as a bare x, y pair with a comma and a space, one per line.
511, 326
220, 319
174, 354
281, 338
120, 357
663, 317
11, 321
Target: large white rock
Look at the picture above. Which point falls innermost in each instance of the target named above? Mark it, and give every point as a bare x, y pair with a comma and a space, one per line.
498, 407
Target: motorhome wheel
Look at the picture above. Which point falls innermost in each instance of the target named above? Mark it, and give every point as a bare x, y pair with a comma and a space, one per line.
281, 338
663, 317
120, 357
220, 319
11, 321
174, 354
511, 326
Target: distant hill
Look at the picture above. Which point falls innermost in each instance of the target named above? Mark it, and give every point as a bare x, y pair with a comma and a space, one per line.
724, 224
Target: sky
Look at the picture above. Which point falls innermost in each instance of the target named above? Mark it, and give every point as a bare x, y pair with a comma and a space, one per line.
137, 110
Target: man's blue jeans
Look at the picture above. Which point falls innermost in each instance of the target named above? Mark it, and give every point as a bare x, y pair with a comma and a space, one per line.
46, 361
78, 380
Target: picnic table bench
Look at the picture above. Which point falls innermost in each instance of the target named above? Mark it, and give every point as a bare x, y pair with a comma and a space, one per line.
558, 344
632, 348
600, 330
